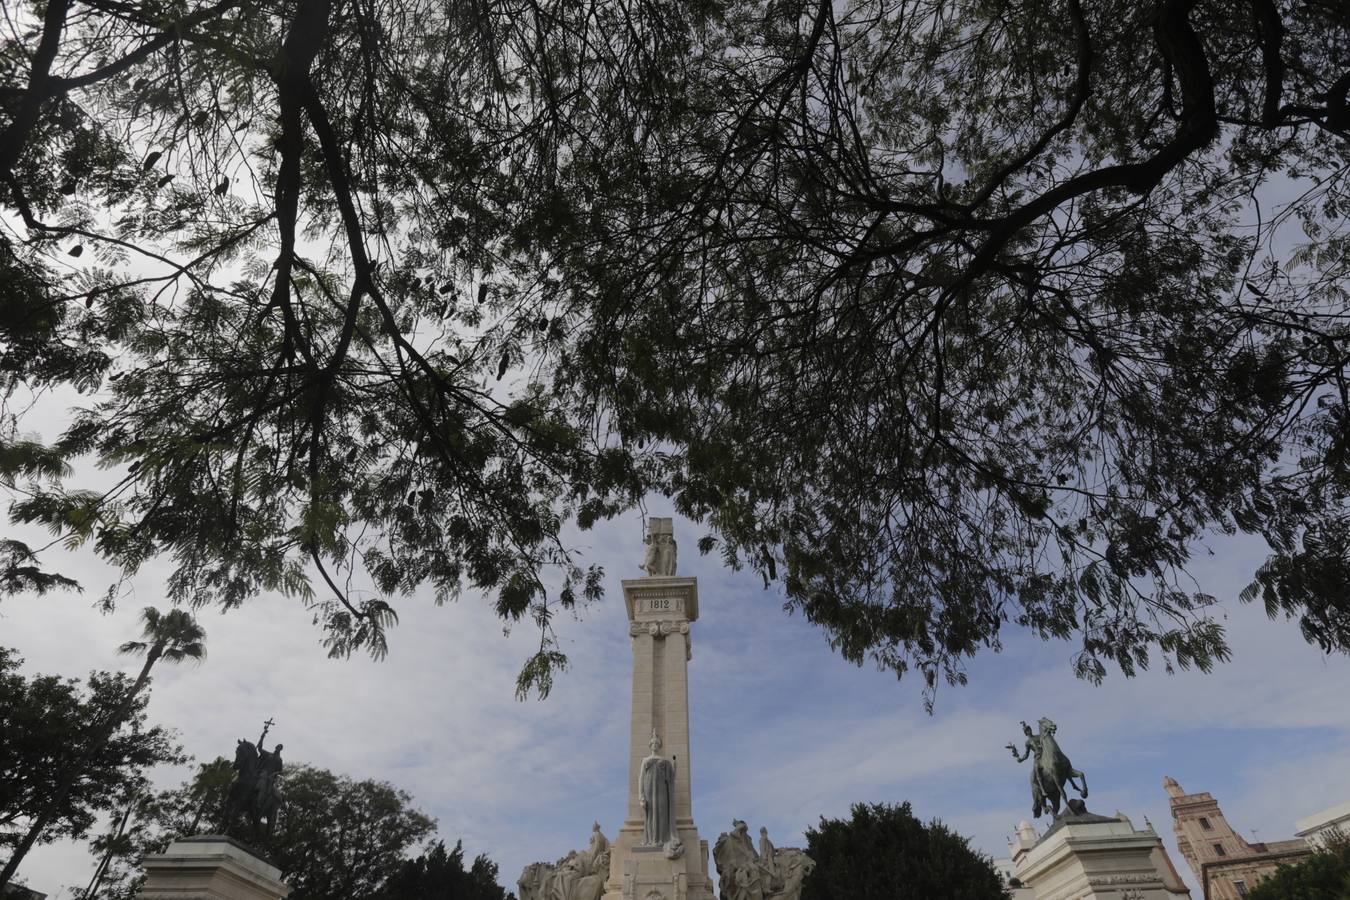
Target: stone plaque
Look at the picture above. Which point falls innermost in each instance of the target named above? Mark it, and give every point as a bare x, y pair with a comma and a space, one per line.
661, 605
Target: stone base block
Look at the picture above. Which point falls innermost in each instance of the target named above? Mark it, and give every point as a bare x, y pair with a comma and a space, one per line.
210, 867
644, 873
1090, 857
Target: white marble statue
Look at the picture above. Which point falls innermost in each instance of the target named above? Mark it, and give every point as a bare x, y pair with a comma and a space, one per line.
599, 843
577, 876
771, 874
657, 785
793, 867
766, 853
659, 558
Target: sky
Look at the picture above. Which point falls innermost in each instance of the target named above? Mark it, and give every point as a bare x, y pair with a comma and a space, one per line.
783, 730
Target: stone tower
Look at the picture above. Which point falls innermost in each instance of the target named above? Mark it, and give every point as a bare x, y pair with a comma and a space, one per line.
661, 607
1226, 864
1203, 834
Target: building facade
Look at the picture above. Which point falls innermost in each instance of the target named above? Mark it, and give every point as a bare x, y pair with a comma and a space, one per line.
1318, 828
1226, 864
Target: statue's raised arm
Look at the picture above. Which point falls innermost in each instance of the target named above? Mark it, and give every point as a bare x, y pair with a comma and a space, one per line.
1030, 748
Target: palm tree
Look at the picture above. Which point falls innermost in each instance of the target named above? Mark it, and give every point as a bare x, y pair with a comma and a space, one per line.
173, 636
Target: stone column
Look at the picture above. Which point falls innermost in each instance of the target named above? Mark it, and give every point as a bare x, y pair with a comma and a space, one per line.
210, 867
660, 610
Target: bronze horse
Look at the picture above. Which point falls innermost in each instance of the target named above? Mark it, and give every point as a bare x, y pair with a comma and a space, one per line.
244, 798
1054, 771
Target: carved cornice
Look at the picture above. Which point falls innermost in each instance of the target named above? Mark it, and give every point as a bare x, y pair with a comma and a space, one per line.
659, 629
1124, 878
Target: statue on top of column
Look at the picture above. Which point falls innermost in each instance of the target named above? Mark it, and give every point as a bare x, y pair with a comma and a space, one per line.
660, 540
1051, 771
253, 796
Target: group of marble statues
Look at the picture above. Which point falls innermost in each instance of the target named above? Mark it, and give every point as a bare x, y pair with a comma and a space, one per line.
577, 876
769, 874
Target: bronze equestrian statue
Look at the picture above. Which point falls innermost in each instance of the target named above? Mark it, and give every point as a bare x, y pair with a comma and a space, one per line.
253, 794
1051, 771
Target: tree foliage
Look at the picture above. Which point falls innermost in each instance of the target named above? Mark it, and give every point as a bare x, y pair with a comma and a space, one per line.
964, 315
342, 838
945, 316
1323, 876
154, 819
172, 637
48, 724
336, 837
884, 853
439, 874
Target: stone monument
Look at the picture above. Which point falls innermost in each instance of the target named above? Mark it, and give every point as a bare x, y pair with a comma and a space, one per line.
1083, 856
1089, 857
220, 866
210, 867
658, 854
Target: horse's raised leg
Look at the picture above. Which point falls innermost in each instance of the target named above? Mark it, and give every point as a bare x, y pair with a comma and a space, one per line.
1082, 790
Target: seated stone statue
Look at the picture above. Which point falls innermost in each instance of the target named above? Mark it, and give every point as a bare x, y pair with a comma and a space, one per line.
743, 874
577, 876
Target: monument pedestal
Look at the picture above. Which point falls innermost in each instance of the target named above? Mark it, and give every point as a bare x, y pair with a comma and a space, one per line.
660, 610
210, 867
1089, 857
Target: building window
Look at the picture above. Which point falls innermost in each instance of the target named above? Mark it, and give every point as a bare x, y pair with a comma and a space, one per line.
1218, 848
1241, 887
1204, 823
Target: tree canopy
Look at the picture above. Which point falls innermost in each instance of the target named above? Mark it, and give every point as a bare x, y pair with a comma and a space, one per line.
439, 874
882, 852
944, 316
1323, 876
337, 837
172, 637
48, 723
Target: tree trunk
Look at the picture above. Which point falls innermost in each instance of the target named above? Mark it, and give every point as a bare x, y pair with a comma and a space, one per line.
91, 891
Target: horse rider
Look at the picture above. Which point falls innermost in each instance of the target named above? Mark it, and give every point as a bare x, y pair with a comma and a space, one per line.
269, 767
1034, 749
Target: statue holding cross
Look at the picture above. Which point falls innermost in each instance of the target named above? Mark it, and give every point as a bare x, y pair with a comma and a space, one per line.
253, 793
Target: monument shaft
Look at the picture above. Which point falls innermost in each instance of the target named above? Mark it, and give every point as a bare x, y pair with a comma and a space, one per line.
661, 651
660, 610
